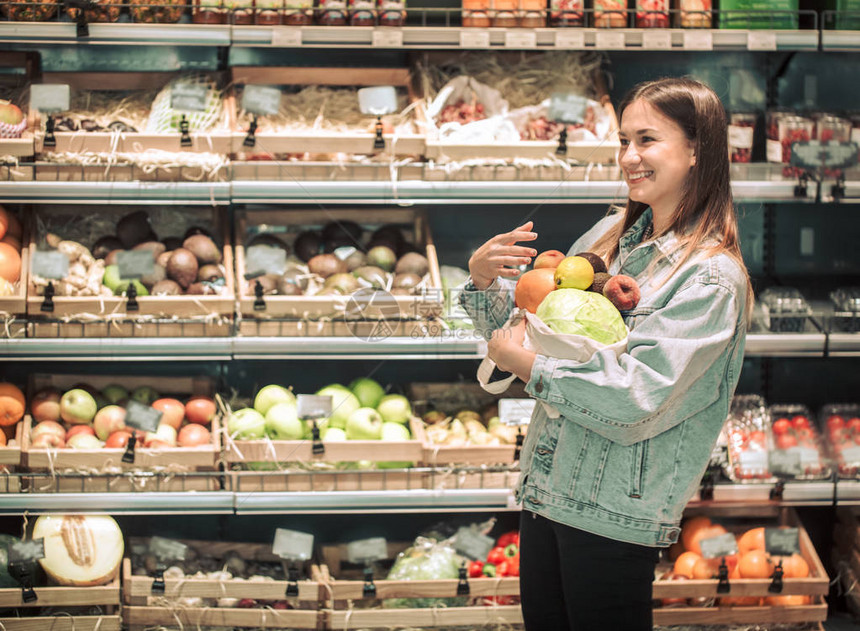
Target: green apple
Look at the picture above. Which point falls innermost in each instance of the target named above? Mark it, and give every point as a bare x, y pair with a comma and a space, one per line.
394, 408
333, 435
364, 424
343, 404
395, 432
78, 406
145, 395
367, 391
282, 421
246, 424
322, 425
270, 396
114, 393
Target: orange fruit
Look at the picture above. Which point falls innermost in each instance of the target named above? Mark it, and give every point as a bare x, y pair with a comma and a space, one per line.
9, 224
794, 566
690, 526
685, 563
4, 222
533, 287
10, 263
11, 404
751, 540
755, 564
714, 530
787, 601
705, 569
15, 242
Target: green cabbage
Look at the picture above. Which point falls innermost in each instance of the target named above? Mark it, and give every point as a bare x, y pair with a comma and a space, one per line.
577, 312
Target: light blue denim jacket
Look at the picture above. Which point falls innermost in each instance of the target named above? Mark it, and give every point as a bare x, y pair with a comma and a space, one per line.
636, 431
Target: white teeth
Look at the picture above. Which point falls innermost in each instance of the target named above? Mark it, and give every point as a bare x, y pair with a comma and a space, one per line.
639, 175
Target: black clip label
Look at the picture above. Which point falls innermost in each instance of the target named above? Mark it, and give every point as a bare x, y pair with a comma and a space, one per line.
251, 139
48, 302
317, 447
293, 584
128, 456
50, 139
776, 584
379, 141
519, 443
158, 585
369, 590
463, 582
723, 586
185, 138
706, 491
131, 295
561, 150
259, 303
777, 491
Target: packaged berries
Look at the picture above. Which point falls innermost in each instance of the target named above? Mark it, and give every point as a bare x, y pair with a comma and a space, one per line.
785, 310
842, 424
798, 451
749, 440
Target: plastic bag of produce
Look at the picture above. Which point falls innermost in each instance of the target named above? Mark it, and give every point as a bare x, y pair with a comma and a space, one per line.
466, 110
533, 123
425, 560
582, 327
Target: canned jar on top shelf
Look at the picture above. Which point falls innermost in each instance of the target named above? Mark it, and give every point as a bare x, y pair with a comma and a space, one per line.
392, 12
652, 13
208, 12
610, 13
241, 11
566, 13
298, 13
696, 13
332, 13
362, 12
268, 12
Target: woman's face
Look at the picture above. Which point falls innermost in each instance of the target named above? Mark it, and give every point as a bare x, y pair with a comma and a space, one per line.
655, 157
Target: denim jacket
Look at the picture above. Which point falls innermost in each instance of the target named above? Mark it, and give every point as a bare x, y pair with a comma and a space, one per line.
636, 431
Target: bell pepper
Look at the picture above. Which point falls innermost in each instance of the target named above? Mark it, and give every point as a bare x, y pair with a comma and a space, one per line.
509, 538
476, 569
489, 570
513, 566
496, 555
512, 550
502, 569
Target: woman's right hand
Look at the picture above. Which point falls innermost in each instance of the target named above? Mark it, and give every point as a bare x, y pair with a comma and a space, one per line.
499, 255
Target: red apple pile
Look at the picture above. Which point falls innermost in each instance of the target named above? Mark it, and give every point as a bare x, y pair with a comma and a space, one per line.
85, 418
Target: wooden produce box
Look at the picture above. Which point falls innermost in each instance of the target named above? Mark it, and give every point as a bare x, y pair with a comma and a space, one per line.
146, 610
394, 316
176, 459
442, 478
320, 141
22, 147
815, 586
350, 609
216, 141
267, 450
450, 399
10, 455
106, 597
293, 481
157, 316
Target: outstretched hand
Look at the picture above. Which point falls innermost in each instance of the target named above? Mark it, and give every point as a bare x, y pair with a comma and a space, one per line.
499, 255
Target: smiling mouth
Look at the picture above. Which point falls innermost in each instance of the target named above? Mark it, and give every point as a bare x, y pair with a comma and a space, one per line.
638, 176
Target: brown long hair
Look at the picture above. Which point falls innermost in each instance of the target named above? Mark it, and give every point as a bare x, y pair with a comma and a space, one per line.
706, 210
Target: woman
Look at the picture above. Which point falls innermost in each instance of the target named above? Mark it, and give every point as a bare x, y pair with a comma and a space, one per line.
604, 486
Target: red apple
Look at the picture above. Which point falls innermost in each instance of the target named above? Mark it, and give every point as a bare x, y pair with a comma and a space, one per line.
173, 411
200, 410
48, 434
45, 441
45, 405
108, 420
781, 426
118, 440
84, 441
550, 259
800, 421
193, 435
835, 422
79, 429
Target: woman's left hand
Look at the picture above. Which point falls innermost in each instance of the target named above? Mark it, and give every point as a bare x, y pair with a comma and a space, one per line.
505, 348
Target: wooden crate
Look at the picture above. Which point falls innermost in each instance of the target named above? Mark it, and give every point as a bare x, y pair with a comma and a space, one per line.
124, 171
10, 455
16, 304
451, 398
22, 147
319, 141
292, 481
216, 141
163, 316
236, 451
816, 585
279, 327
143, 610
106, 596
328, 308
106, 460
471, 478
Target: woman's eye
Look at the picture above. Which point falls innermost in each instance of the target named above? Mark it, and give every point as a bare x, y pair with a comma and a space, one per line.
647, 139
624, 142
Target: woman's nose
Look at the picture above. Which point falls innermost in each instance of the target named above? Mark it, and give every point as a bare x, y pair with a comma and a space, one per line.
629, 155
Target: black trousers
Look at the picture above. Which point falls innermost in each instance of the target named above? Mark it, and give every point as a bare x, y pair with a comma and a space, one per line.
577, 581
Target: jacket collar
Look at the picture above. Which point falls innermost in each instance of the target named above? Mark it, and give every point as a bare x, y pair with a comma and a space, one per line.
667, 244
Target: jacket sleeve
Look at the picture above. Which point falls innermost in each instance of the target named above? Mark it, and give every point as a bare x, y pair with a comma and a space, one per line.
491, 307
658, 382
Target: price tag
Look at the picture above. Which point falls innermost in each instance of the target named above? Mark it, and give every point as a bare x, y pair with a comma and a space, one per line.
142, 417
785, 462
570, 38
782, 541
520, 39
472, 544
53, 265
568, 108
188, 97
135, 263
26, 551
264, 259
474, 38
313, 406
813, 154
610, 40
773, 148
168, 549
809, 457
761, 40
656, 40
387, 38
50, 97
516, 411
753, 460
293, 545
721, 546
851, 455
367, 550
855, 135
698, 40
287, 37
260, 99
740, 137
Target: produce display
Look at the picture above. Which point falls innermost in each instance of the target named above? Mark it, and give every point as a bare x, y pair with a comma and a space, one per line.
12, 406
502, 561
468, 427
748, 430
29, 10
98, 11
11, 235
798, 450
80, 550
785, 310
842, 422
12, 120
156, 11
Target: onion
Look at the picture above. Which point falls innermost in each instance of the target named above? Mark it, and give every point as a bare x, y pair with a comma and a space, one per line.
80, 550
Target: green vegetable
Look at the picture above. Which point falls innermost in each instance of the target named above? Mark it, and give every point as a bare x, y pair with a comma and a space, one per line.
577, 312
426, 560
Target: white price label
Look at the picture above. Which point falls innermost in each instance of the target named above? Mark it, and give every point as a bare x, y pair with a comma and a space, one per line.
367, 550
851, 456
740, 137
570, 38
761, 40
293, 545
657, 40
53, 265
287, 37
264, 259
520, 39
50, 98
516, 411
260, 99
809, 457
609, 40
773, 148
474, 38
698, 40
782, 541
472, 544
168, 549
753, 460
855, 135
135, 263
314, 406
387, 38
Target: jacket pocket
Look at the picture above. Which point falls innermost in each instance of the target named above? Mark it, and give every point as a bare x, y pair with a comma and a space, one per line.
637, 469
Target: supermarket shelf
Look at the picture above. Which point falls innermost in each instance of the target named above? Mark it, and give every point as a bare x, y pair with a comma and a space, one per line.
785, 344
412, 501
848, 41
843, 345
466, 347
129, 349
124, 34
852, 185
848, 493
794, 493
216, 502
149, 193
